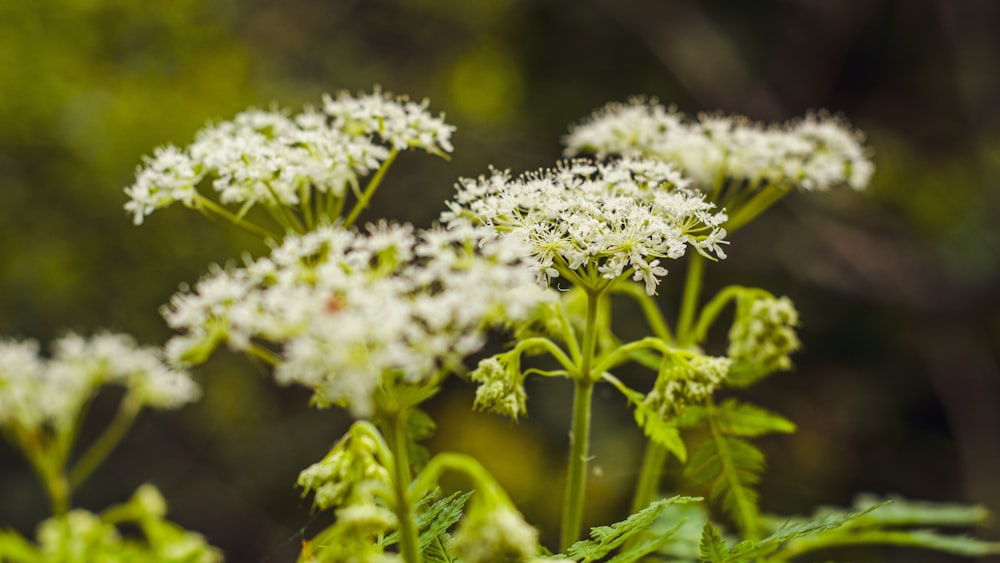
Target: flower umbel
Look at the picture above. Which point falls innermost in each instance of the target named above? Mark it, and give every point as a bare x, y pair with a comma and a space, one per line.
595, 223
816, 152
275, 159
347, 310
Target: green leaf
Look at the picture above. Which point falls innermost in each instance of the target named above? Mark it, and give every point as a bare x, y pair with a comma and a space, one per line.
743, 419
605, 539
824, 522
433, 519
730, 467
646, 546
905, 512
712, 548
886, 526
655, 428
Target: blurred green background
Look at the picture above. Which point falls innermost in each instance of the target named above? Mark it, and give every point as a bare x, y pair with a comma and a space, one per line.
897, 388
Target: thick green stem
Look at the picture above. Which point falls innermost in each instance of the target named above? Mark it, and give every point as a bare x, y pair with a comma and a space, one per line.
580, 435
401, 487
577, 479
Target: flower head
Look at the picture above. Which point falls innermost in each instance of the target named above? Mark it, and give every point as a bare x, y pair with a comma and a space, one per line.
37, 392
349, 311
273, 158
596, 222
817, 152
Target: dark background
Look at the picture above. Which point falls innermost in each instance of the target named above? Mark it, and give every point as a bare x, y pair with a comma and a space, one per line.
897, 388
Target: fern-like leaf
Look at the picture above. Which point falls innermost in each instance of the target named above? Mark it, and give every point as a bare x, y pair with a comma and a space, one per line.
730, 467
889, 526
712, 548
605, 539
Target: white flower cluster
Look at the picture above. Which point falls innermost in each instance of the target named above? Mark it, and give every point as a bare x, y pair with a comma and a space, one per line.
817, 152
603, 220
348, 308
37, 392
271, 158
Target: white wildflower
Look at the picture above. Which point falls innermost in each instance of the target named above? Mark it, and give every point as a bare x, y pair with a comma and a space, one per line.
275, 159
599, 222
817, 152
343, 310
37, 392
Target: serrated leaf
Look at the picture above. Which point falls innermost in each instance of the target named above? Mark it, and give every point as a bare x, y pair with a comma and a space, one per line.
735, 418
643, 548
662, 433
433, 518
605, 539
712, 548
905, 512
730, 467
872, 528
824, 521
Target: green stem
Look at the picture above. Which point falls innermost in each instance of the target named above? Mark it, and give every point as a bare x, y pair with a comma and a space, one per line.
47, 467
401, 486
648, 305
648, 487
366, 197
760, 202
580, 436
549, 346
577, 478
485, 484
106, 442
210, 205
692, 290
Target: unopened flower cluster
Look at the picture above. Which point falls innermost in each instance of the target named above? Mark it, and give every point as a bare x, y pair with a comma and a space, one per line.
37, 392
272, 158
606, 219
685, 381
347, 308
763, 334
817, 152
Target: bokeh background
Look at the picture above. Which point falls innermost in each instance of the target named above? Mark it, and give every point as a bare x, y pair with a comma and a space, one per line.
897, 388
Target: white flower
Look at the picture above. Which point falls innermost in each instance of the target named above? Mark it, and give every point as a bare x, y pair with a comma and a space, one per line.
398, 121
344, 310
817, 152
271, 158
36, 392
599, 220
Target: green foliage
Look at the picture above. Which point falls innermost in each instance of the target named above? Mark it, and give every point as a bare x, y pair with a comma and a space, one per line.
662, 432
736, 418
713, 547
726, 463
898, 522
83, 537
605, 539
434, 518
730, 467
